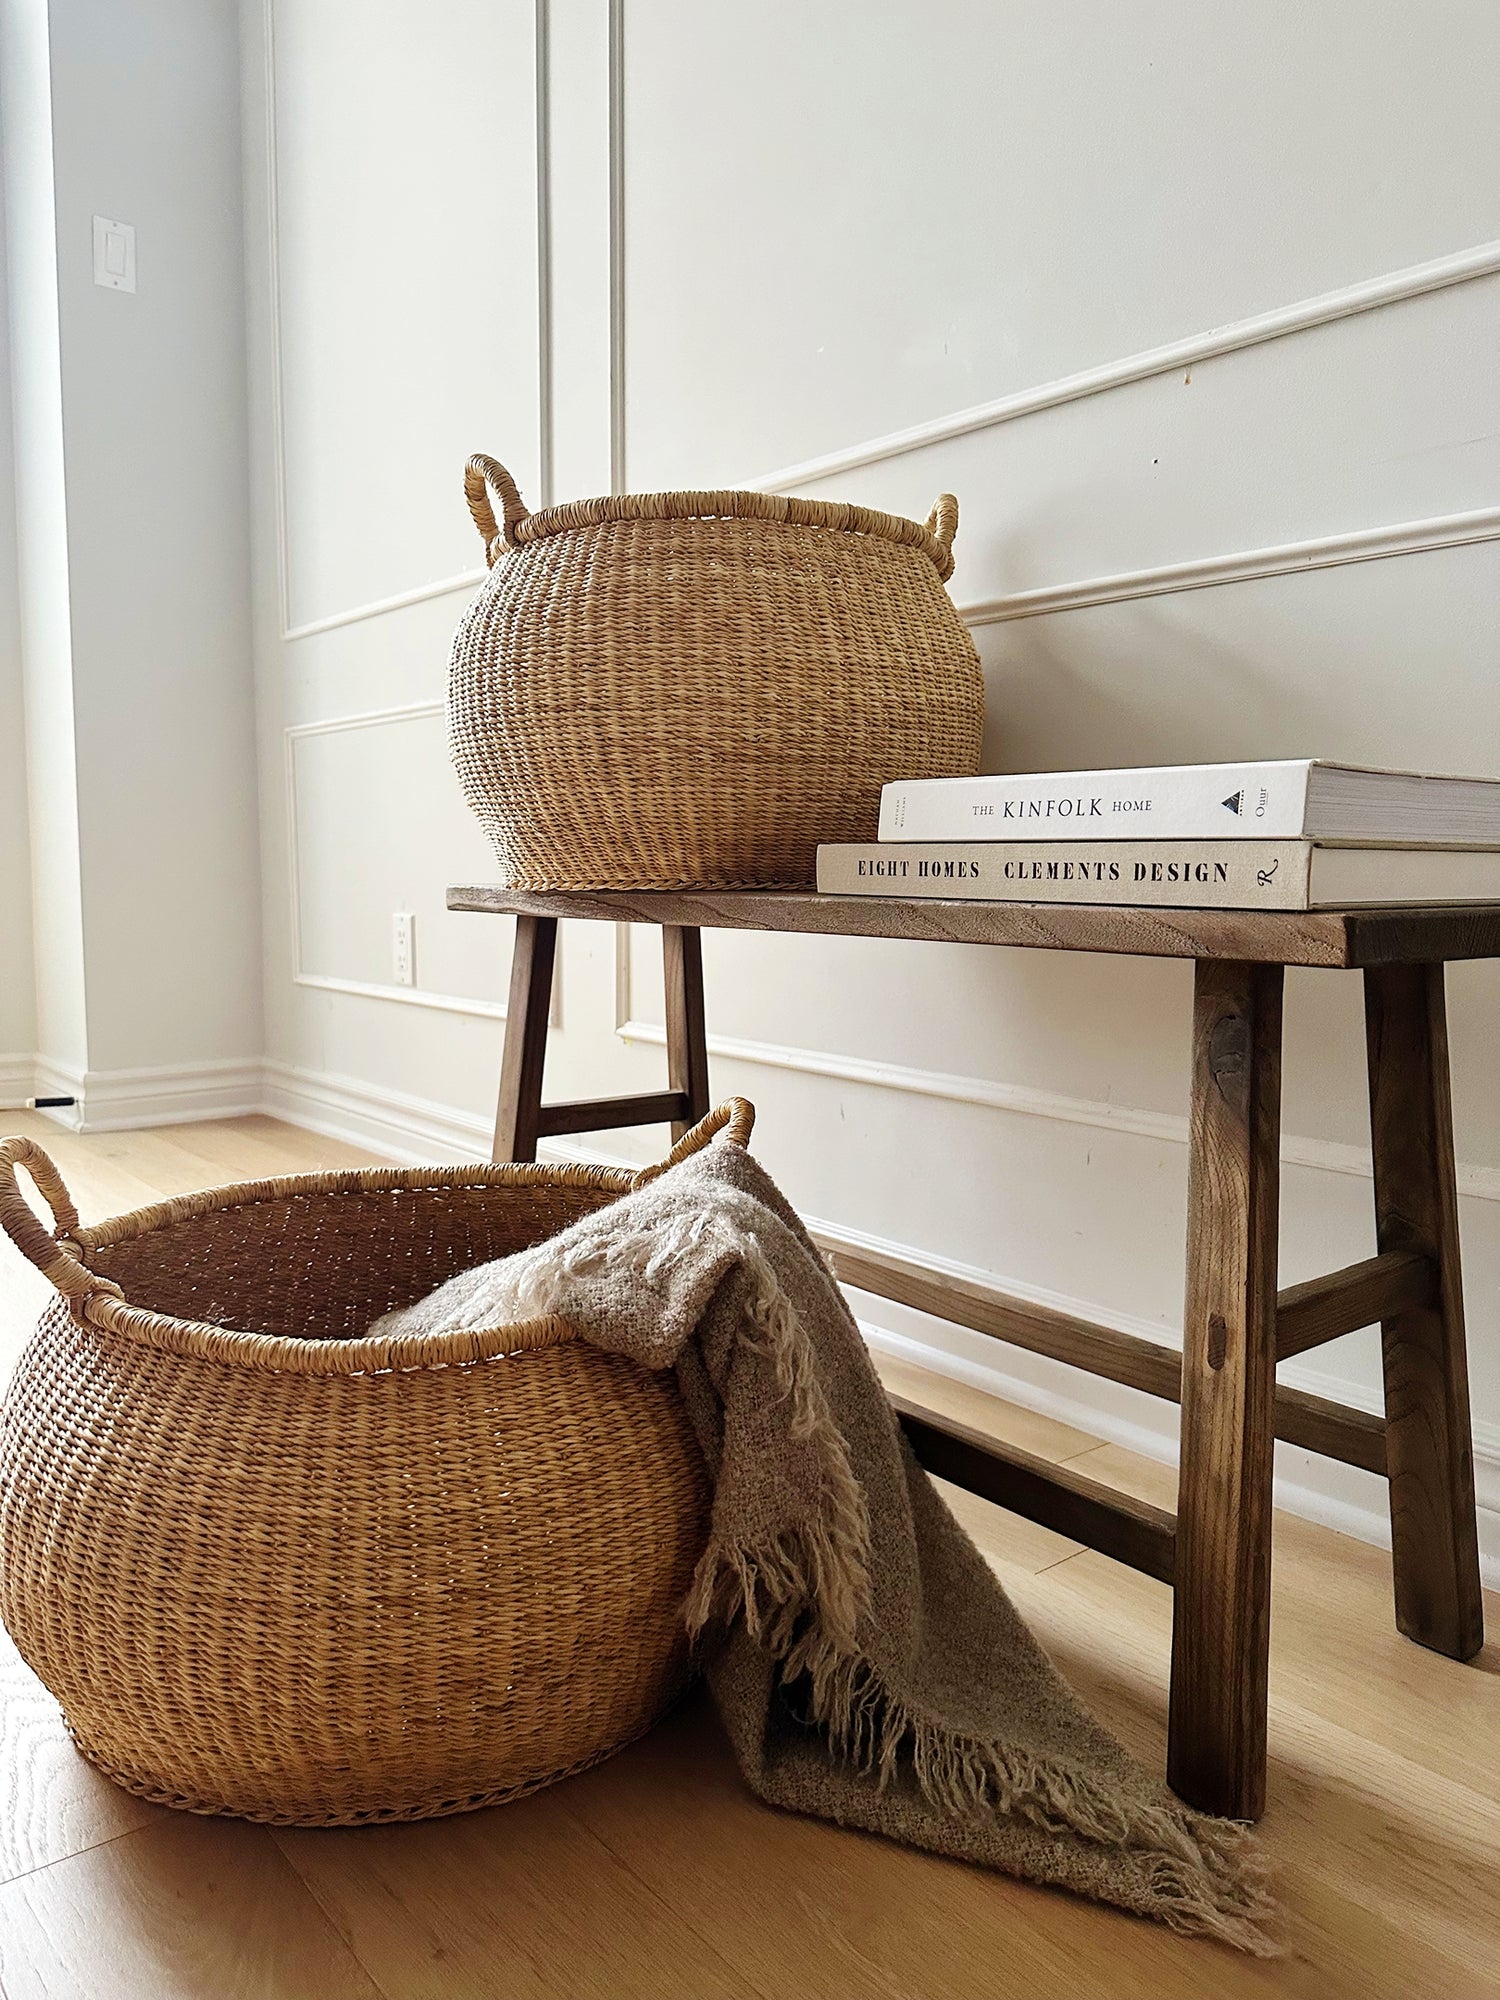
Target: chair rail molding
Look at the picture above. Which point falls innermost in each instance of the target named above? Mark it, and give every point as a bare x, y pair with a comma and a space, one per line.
1317, 552
406, 996
1325, 309
1370, 544
287, 631
1413, 281
469, 579
1480, 1183
1399, 538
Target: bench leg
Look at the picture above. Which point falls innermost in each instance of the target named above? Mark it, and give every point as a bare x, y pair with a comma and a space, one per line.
518, 1111
1429, 1446
1216, 1752
687, 1045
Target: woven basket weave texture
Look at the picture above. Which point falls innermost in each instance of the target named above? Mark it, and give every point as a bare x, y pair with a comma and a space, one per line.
692, 690
307, 1576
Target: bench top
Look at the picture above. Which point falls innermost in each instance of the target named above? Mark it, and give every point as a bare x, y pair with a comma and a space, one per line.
1415, 935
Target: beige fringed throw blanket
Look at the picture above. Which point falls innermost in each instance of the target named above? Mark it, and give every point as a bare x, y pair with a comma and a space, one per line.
867, 1665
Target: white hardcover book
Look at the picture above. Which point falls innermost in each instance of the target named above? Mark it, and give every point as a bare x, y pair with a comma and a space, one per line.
1186, 874
1303, 798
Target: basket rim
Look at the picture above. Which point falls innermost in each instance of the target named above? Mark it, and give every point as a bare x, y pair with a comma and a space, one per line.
61, 1254
369, 1354
726, 504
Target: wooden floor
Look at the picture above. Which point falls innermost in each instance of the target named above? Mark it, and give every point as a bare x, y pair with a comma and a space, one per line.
657, 1875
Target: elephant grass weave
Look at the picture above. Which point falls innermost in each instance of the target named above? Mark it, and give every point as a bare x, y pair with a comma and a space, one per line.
274, 1568
692, 690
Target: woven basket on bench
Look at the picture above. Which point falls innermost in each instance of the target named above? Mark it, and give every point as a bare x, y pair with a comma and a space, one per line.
691, 690
301, 1575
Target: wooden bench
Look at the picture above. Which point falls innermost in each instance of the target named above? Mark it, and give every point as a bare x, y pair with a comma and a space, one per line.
1216, 1550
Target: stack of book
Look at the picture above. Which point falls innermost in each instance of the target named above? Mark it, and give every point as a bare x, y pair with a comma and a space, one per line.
1302, 834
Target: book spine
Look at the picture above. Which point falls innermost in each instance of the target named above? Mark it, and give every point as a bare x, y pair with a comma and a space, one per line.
1219, 874
1186, 802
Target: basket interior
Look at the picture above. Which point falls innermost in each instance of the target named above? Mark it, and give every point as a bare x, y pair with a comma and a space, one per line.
321, 1266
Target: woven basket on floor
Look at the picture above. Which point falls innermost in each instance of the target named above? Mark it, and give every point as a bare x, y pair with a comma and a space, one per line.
691, 690
301, 1575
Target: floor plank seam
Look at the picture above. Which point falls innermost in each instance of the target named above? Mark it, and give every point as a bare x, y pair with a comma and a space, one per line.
76, 1854
1072, 1556
733, 1972
326, 1915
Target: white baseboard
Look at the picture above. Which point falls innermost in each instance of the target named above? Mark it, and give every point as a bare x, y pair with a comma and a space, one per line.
118, 1100
40, 1076
17, 1082
415, 1131
60, 1079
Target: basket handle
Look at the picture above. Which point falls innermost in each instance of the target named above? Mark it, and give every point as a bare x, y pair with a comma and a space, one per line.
48, 1250
942, 525
735, 1117
480, 475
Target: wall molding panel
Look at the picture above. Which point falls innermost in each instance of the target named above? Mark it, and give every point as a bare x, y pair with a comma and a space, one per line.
406, 996
469, 579
1168, 1128
542, 167
1414, 281
288, 631
1401, 538
1318, 552
616, 198
1325, 1155
1377, 435
1370, 544
1326, 309
275, 382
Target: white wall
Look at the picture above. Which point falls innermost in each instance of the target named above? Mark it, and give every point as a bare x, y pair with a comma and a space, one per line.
146, 100
394, 324
17, 987
1171, 300
43, 625
132, 489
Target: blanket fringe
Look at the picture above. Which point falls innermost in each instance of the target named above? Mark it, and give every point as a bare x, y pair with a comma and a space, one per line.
1201, 1876
802, 1595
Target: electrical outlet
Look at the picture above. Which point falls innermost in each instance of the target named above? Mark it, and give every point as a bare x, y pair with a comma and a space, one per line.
404, 948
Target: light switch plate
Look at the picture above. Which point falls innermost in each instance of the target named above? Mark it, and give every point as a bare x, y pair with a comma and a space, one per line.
114, 254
